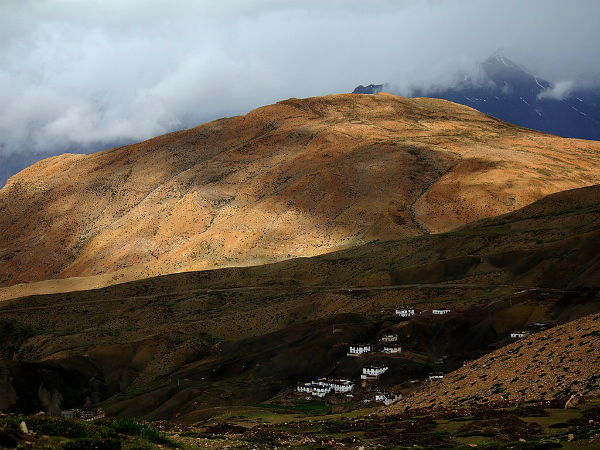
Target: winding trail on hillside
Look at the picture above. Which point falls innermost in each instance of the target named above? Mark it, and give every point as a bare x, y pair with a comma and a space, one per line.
294, 289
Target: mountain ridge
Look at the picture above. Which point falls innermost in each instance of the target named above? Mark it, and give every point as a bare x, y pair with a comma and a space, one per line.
508, 91
298, 178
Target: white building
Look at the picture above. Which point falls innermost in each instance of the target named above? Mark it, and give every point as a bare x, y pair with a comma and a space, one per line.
324, 386
440, 312
389, 338
387, 398
435, 377
519, 334
339, 386
405, 312
360, 349
373, 372
305, 387
392, 349
379, 397
320, 389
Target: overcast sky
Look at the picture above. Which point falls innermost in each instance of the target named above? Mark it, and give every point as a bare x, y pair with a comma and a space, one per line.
75, 74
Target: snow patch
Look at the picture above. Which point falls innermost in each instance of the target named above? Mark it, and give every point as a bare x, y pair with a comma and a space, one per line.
582, 113
538, 83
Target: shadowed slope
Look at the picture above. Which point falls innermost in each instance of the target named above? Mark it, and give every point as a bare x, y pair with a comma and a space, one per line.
298, 178
241, 346
552, 364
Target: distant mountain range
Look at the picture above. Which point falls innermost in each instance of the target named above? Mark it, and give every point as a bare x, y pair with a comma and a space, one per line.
511, 93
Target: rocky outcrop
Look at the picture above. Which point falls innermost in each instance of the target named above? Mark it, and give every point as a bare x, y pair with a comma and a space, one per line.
30, 387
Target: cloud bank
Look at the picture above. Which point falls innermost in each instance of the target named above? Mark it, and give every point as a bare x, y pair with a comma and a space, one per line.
78, 75
560, 90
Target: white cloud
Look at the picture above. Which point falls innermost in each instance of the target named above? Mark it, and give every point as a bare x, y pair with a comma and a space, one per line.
558, 91
79, 74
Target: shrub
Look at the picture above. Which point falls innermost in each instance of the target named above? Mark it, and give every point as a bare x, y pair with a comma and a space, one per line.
58, 426
93, 444
134, 428
10, 432
8, 438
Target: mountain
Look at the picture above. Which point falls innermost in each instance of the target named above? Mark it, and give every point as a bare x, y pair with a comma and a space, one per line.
198, 344
509, 92
298, 178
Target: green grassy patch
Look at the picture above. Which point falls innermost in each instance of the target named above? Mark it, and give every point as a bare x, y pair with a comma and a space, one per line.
314, 408
132, 427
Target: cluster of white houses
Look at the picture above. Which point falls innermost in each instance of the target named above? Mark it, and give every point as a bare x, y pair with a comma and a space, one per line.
373, 372
390, 346
408, 312
324, 386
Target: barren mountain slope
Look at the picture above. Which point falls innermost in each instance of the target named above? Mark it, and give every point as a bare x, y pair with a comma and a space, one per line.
243, 345
297, 178
548, 365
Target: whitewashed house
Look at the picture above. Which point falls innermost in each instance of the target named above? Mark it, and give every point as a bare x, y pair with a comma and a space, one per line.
387, 398
320, 389
435, 377
307, 388
405, 312
340, 386
380, 396
324, 386
389, 338
519, 334
440, 312
373, 372
359, 349
392, 349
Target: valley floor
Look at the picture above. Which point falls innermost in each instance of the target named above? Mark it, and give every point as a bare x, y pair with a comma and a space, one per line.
534, 425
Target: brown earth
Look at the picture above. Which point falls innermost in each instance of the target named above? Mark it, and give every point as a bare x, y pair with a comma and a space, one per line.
186, 344
298, 178
556, 363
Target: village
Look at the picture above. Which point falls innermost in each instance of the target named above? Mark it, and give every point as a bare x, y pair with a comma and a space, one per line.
366, 387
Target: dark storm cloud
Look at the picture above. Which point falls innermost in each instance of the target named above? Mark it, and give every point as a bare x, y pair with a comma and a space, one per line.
83, 73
